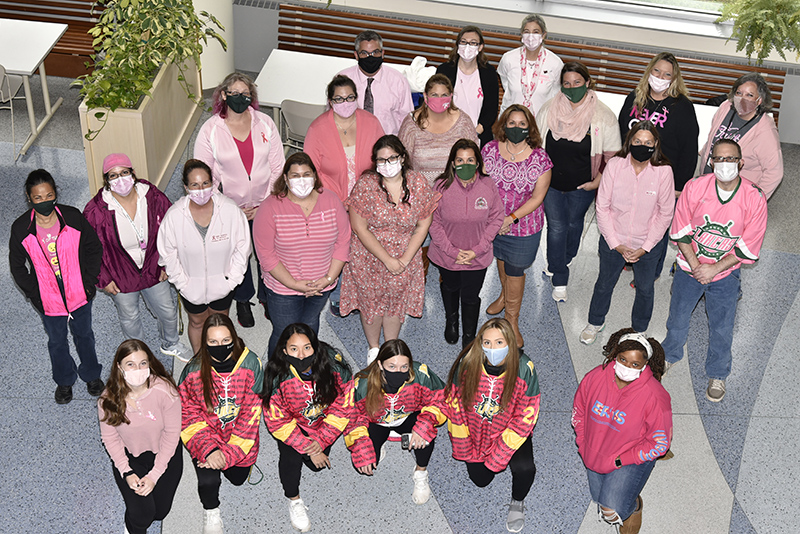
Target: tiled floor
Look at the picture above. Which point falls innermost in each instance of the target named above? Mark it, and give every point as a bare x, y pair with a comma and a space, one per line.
734, 469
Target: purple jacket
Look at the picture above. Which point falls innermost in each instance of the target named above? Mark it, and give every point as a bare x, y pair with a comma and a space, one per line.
117, 264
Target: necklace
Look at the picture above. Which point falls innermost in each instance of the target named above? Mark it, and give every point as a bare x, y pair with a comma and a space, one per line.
515, 154
344, 129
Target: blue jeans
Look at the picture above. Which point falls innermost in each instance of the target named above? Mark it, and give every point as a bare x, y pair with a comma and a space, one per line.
721, 298
518, 253
336, 292
644, 273
618, 489
65, 373
289, 309
245, 291
565, 212
159, 301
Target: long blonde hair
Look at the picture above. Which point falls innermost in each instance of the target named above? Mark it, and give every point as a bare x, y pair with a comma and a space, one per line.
676, 88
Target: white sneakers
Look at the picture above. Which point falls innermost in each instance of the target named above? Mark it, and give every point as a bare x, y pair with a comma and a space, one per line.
298, 515
516, 516
372, 354
560, 293
716, 390
178, 350
212, 522
422, 491
589, 333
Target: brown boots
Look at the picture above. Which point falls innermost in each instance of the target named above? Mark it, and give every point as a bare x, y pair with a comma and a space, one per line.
499, 305
515, 289
634, 522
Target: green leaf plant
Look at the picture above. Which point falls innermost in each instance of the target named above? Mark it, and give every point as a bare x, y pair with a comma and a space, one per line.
761, 26
132, 40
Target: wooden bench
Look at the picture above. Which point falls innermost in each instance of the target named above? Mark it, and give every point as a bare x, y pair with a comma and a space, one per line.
73, 51
332, 32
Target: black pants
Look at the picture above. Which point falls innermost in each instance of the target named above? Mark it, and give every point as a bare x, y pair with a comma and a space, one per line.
290, 465
379, 434
467, 284
522, 472
140, 511
209, 481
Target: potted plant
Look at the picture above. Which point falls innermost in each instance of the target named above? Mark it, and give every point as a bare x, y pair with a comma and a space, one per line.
143, 96
760, 26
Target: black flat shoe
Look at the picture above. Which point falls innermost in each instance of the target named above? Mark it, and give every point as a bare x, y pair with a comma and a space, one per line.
63, 394
95, 387
245, 315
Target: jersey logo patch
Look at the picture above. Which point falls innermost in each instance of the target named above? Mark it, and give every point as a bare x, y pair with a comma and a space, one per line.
393, 414
227, 409
487, 408
713, 239
313, 411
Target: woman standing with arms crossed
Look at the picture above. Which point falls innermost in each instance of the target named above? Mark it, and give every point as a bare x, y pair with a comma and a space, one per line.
622, 417
221, 413
521, 170
495, 432
55, 257
140, 423
244, 150
580, 135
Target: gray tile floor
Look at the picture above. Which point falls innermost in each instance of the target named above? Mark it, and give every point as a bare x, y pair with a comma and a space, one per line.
735, 466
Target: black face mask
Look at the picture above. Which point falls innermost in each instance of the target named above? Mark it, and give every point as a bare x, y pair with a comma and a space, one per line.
44, 208
516, 134
220, 352
395, 380
238, 103
370, 64
641, 153
300, 365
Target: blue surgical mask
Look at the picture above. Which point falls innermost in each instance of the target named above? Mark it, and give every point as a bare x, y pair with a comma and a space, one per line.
496, 356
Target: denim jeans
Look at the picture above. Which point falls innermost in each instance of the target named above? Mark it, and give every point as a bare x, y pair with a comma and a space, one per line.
159, 301
644, 273
289, 309
565, 212
65, 373
721, 298
618, 489
245, 291
336, 292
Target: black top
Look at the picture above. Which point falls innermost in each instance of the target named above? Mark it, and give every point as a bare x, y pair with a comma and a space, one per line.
676, 122
490, 83
572, 162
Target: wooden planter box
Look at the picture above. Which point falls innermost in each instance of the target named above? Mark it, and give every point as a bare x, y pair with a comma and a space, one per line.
154, 135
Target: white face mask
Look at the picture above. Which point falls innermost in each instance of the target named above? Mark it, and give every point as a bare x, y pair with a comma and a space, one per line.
201, 196
468, 52
626, 374
389, 170
657, 84
301, 187
136, 377
726, 171
532, 41
495, 356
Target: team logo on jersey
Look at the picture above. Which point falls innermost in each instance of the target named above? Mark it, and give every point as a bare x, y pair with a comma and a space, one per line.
488, 407
481, 204
713, 239
313, 411
393, 414
227, 409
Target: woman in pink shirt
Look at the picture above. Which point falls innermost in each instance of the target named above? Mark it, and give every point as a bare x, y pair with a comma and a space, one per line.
140, 423
302, 238
635, 204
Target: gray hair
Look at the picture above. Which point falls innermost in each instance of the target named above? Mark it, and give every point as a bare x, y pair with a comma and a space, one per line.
533, 18
368, 35
761, 87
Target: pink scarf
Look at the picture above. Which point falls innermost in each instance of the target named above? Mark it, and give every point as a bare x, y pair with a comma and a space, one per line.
572, 124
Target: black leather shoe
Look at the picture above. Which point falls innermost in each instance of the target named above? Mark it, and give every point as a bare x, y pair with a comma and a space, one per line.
451, 329
63, 394
95, 387
266, 310
245, 315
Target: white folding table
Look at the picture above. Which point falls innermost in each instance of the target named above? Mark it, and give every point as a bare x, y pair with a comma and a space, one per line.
23, 46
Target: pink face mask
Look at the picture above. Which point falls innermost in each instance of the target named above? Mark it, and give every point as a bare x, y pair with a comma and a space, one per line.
468, 52
439, 104
345, 109
744, 107
201, 196
122, 185
532, 41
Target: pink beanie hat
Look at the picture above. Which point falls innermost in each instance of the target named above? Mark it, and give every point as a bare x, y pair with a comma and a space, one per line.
116, 160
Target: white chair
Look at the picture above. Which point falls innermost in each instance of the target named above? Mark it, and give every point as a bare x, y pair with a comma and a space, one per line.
9, 87
298, 116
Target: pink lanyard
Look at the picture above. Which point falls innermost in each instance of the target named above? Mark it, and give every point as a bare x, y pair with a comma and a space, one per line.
530, 87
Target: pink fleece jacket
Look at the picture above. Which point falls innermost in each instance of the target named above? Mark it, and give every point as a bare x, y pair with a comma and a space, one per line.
633, 423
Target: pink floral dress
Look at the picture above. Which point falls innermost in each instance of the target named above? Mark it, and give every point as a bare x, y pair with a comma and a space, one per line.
367, 285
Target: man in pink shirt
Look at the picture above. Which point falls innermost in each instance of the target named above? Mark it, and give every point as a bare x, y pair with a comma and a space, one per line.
382, 91
720, 221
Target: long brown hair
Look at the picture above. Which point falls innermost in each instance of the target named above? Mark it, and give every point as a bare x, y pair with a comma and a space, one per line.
499, 129
465, 374
117, 389
483, 60
215, 319
614, 347
676, 88
436, 79
374, 375
394, 143
446, 179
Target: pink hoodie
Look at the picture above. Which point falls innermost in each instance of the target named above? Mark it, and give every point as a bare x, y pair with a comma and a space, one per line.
634, 423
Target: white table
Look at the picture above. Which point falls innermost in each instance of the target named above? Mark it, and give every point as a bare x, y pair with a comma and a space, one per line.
23, 46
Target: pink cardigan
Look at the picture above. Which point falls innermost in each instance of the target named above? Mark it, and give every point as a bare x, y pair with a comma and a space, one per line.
325, 148
761, 151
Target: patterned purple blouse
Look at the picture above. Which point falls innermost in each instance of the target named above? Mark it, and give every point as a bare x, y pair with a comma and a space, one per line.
515, 181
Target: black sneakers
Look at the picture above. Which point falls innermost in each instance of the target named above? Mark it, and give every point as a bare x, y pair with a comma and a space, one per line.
95, 387
63, 394
244, 314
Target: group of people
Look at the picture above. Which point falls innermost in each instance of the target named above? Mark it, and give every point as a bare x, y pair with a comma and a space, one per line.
381, 191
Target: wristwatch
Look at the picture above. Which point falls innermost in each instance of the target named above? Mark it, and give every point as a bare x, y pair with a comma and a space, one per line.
514, 217
617, 462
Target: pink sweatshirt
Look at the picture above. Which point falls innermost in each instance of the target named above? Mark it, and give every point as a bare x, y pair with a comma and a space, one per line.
634, 423
155, 425
216, 146
632, 210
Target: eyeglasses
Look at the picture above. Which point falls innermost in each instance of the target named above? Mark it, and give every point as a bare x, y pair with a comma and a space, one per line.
375, 53
237, 93
462, 42
725, 159
342, 99
391, 159
113, 176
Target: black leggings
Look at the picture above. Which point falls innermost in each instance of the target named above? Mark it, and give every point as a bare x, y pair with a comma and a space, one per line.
290, 465
140, 511
522, 471
209, 481
379, 434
